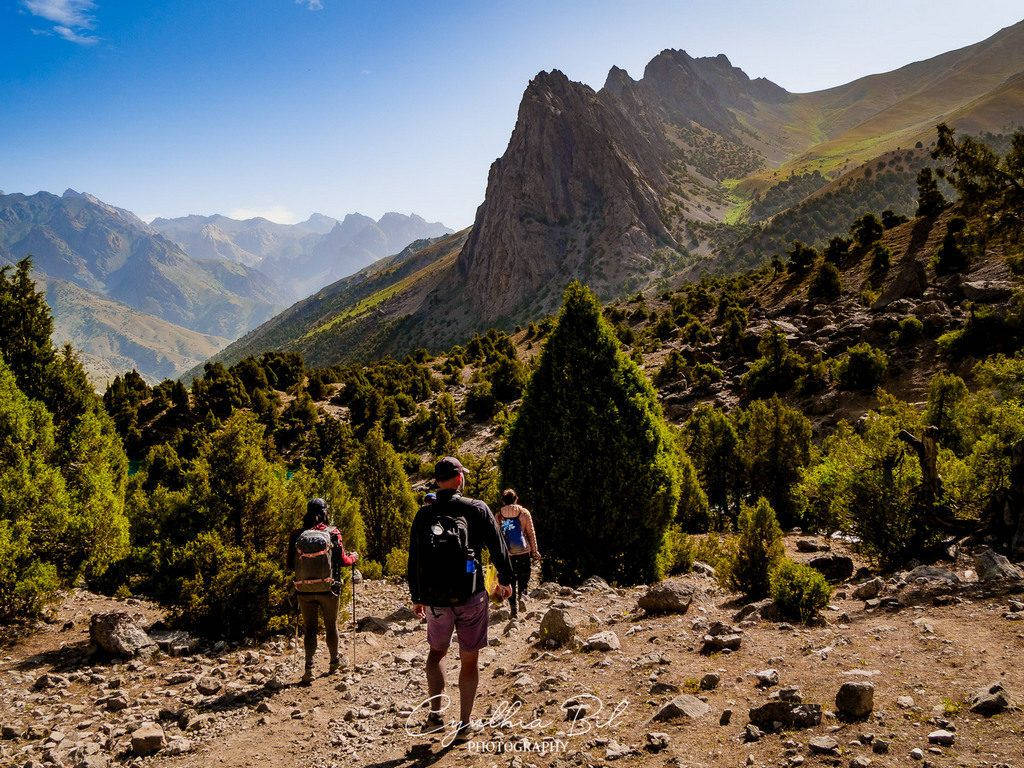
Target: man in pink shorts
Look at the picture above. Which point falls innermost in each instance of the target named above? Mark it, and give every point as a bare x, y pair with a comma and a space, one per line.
446, 582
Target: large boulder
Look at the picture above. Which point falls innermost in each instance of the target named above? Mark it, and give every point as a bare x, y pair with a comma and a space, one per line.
994, 568
855, 700
990, 701
666, 597
682, 707
869, 590
147, 739
556, 628
117, 634
835, 567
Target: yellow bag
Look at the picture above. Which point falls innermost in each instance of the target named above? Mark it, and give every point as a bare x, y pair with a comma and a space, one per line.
491, 580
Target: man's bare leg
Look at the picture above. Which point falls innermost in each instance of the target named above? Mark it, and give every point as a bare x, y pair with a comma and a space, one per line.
469, 678
435, 680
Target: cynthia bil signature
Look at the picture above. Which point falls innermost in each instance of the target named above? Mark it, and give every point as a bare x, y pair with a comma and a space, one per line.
588, 713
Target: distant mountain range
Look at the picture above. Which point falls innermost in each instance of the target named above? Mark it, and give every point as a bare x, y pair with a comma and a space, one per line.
163, 296
693, 167
299, 258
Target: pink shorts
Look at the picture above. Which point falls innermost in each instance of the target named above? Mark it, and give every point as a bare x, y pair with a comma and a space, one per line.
469, 621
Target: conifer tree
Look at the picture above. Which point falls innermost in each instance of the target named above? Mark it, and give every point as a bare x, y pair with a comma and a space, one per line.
776, 446
930, 201
591, 453
758, 550
387, 501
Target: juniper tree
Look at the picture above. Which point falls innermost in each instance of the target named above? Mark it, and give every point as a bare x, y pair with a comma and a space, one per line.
386, 499
590, 451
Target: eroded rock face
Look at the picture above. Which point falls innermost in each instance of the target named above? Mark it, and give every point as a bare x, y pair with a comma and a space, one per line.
117, 634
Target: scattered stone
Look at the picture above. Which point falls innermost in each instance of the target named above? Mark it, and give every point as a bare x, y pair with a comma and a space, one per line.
755, 610
719, 643
916, 754
778, 714
869, 589
656, 741
666, 597
810, 545
855, 700
208, 686
374, 624
860, 761
833, 566
987, 291
726, 717
148, 739
880, 746
766, 678
823, 745
602, 641
993, 567
685, 706
661, 687
117, 634
990, 701
905, 702
703, 569
752, 733
710, 681
942, 737
556, 628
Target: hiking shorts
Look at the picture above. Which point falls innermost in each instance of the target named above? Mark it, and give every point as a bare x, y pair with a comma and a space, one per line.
469, 621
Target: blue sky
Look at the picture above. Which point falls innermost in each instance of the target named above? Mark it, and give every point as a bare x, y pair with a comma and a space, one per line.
282, 107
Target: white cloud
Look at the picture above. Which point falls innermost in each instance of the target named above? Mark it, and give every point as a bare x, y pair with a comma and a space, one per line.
277, 213
72, 19
313, 5
74, 37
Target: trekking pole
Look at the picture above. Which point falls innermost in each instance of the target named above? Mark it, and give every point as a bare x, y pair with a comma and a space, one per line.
353, 617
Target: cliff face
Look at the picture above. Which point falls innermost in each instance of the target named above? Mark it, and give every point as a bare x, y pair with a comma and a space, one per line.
571, 196
585, 183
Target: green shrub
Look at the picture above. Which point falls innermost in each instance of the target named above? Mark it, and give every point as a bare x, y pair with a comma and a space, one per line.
778, 368
676, 554
954, 255
799, 591
862, 368
909, 330
825, 285
758, 551
881, 260
397, 562
228, 591
26, 583
371, 569
715, 550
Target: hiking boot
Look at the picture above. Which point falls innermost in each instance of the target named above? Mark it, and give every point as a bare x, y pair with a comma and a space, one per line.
434, 723
522, 605
467, 731
335, 666
307, 677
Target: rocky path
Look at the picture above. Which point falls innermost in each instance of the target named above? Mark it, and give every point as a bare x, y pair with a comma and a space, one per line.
610, 684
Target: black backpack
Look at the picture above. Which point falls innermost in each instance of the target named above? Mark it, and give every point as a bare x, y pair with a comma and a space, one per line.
447, 564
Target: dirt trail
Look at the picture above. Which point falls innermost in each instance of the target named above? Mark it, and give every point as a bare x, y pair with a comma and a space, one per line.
925, 662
